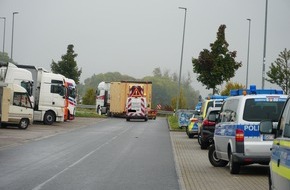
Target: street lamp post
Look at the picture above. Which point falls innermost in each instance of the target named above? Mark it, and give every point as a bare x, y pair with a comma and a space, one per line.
12, 34
249, 34
178, 95
265, 39
4, 18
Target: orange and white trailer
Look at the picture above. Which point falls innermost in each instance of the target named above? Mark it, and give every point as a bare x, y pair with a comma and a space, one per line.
136, 105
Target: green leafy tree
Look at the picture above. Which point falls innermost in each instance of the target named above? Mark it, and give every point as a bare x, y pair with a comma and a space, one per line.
218, 65
279, 72
67, 66
5, 58
90, 97
231, 86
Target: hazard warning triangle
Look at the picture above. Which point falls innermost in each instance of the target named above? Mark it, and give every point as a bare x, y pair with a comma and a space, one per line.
136, 93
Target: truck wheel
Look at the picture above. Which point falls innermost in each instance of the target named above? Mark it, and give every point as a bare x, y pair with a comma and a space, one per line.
146, 119
127, 119
49, 118
234, 166
23, 124
214, 160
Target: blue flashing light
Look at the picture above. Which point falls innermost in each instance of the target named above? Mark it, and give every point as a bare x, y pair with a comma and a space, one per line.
253, 90
217, 97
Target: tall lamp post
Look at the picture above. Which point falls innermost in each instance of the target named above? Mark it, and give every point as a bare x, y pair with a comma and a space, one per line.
12, 34
178, 95
265, 38
249, 34
4, 18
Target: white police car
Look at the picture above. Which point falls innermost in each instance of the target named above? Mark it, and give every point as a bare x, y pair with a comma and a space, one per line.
237, 139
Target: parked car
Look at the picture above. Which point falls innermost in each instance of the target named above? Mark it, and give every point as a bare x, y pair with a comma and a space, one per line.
192, 128
237, 139
205, 138
279, 166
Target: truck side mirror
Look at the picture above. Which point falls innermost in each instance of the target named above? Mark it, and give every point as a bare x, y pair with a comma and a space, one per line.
266, 127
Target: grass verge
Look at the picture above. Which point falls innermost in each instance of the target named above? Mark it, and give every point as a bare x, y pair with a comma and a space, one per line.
86, 112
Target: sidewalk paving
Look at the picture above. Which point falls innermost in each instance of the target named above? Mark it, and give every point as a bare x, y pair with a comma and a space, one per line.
196, 173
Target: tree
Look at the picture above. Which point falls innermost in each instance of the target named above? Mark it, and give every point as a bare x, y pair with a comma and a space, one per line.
90, 97
279, 72
231, 86
182, 101
157, 72
218, 65
5, 58
67, 66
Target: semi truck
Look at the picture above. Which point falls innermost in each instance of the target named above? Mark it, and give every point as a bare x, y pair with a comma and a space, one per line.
11, 74
103, 97
111, 97
49, 97
70, 99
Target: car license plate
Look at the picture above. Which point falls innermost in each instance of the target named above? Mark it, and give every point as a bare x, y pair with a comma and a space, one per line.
268, 137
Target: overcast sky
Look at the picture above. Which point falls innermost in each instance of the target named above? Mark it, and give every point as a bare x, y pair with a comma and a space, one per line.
135, 36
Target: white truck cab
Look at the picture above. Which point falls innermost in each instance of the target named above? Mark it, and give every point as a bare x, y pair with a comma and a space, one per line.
237, 138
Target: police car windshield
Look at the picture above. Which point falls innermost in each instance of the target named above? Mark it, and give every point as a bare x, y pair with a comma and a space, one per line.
214, 104
258, 109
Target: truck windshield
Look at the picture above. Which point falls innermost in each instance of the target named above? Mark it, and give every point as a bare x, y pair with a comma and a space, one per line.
71, 92
28, 85
258, 109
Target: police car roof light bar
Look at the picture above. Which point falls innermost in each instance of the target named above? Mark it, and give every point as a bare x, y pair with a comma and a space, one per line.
253, 90
216, 97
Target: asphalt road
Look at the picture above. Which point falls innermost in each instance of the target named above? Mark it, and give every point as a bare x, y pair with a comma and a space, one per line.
106, 154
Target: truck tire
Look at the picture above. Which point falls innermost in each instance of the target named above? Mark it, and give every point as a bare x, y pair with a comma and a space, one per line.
23, 124
234, 166
127, 119
49, 118
216, 162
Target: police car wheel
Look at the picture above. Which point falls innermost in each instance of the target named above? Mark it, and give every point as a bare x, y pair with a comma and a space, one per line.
234, 166
214, 160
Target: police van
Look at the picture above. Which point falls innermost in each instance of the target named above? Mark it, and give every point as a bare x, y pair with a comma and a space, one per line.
279, 175
237, 138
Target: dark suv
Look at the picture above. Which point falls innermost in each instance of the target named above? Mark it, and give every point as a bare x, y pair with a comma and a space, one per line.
205, 137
